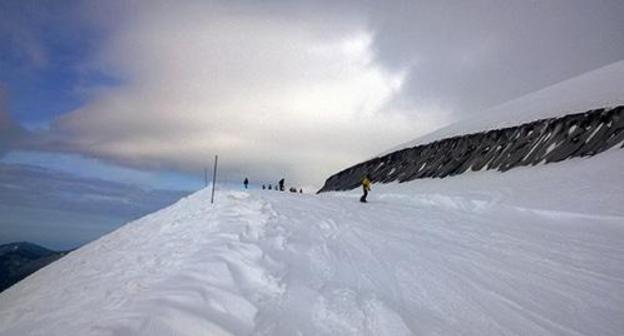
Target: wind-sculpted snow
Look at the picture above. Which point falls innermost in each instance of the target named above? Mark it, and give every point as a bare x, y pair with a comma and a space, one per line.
478, 254
541, 141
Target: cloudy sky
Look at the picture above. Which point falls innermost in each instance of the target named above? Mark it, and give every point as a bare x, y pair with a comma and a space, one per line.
295, 89
62, 211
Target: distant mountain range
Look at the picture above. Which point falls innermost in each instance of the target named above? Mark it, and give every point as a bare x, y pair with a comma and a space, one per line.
19, 260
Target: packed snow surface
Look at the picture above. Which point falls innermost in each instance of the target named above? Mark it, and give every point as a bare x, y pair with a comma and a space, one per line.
534, 251
601, 88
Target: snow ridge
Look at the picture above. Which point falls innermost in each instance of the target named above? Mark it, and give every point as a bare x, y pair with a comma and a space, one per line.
161, 274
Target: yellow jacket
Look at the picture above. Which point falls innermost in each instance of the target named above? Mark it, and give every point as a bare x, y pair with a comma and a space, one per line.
366, 183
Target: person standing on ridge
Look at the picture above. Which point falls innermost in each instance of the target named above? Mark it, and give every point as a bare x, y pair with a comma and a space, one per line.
366, 182
245, 182
281, 185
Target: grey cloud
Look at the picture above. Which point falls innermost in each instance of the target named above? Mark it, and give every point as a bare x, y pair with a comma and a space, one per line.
301, 89
275, 95
469, 55
10, 132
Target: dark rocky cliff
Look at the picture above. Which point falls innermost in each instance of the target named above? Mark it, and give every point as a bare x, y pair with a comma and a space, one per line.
540, 141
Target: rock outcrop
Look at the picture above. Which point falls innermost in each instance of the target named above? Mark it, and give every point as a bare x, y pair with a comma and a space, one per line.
540, 141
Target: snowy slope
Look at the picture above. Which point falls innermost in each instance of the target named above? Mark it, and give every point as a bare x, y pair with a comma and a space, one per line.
535, 251
603, 87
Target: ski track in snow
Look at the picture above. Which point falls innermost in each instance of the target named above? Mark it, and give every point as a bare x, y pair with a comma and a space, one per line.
270, 263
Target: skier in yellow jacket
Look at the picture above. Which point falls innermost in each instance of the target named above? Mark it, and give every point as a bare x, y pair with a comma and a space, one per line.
366, 182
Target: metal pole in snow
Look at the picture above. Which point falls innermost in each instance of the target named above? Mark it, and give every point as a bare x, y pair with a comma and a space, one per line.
214, 178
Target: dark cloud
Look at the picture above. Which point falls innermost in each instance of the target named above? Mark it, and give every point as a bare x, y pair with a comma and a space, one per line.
10, 132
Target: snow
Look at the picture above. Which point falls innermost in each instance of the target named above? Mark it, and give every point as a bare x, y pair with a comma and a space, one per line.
533, 251
601, 88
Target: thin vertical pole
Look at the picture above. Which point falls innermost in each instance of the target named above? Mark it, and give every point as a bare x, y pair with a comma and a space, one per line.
214, 178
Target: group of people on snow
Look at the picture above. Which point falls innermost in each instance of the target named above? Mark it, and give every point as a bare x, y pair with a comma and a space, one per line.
280, 186
366, 187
